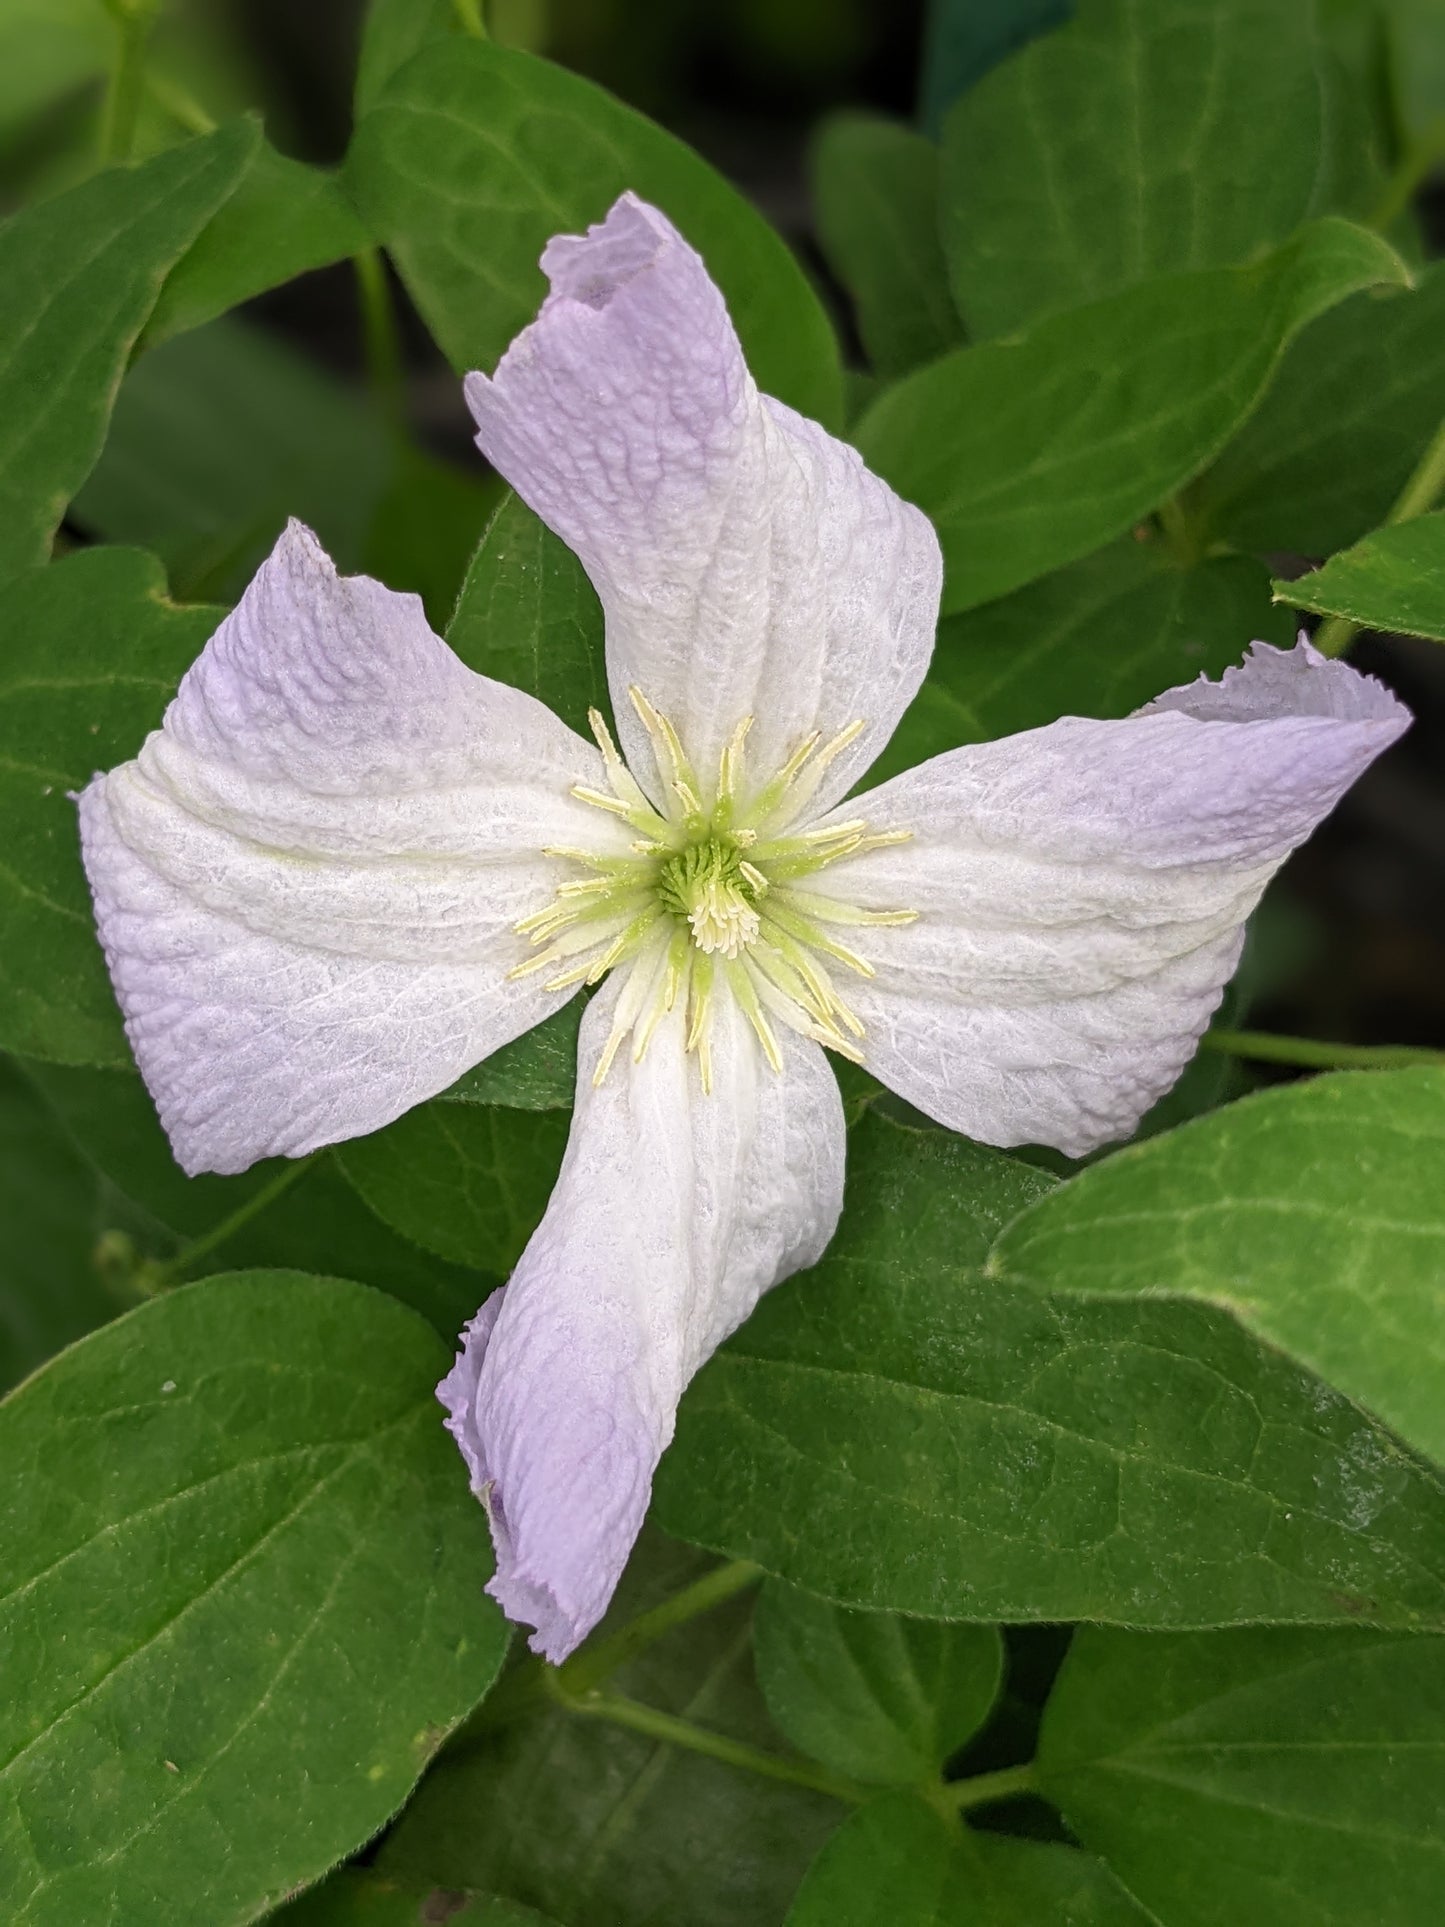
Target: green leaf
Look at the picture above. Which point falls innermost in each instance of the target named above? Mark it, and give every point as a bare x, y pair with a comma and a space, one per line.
899, 1860
51, 1290
882, 1699
965, 38
1393, 580
875, 187
284, 219
394, 31
351, 1898
242, 1579
93, 653
467, 1181
538, 1072
78, 277
597, 1824
1027, 454
894, 1430
1137, 140
1314, 1213
1256, 1775
472, 157
317, 1224
1098, 638
528, 616
219, 436
1356, 399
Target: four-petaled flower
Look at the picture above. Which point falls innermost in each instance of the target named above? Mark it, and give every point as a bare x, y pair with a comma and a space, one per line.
347, 868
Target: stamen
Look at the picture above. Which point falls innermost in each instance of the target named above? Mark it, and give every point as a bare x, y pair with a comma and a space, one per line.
672, 764
707, 897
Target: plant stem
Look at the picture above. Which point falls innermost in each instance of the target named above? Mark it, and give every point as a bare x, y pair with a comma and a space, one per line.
982, 1788
162, 1277
588, 1669
1313, 1053
1179, 532
671, 1730
134, 22
182, 107
469, 18
1421, 492
380, 335
535, 1679
1415, 164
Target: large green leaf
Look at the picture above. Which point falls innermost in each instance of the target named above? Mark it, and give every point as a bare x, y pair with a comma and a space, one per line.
963, 39
1137, 140
1314, 1213
1098, 638
528, 616
1393, 580
78, 277
394, 31
1029, 453
468, 1181
318, 1223
538, 1072
597, 1824
93, 652
882, 1699
1356, 399
51, 1289
901, 1861
217, 438
1260, 1775
241, 1600
895, 1430
472, 157
875, 187
283, 220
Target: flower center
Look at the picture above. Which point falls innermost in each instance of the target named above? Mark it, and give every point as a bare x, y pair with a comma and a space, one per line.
711, 886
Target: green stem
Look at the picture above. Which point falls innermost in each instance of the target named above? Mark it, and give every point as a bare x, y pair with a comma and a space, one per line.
469, 18
161, 1277
1418, 161
1180, 533
183, 108
1420, 493
672, 1731
587, 1669
380, 335
535, 1680
134, 23
1312, 1053
983, 1788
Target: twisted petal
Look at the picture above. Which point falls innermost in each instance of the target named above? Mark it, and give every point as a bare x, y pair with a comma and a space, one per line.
674, 1212
1083, 890
306, 880
746, 561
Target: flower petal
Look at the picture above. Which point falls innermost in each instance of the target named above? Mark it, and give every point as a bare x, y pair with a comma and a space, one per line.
1082, 892
674, 1212
748, 563
306, 881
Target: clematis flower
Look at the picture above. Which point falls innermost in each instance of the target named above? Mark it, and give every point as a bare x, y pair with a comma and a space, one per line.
347, 868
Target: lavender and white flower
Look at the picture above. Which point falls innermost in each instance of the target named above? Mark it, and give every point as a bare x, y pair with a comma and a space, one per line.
347, 868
